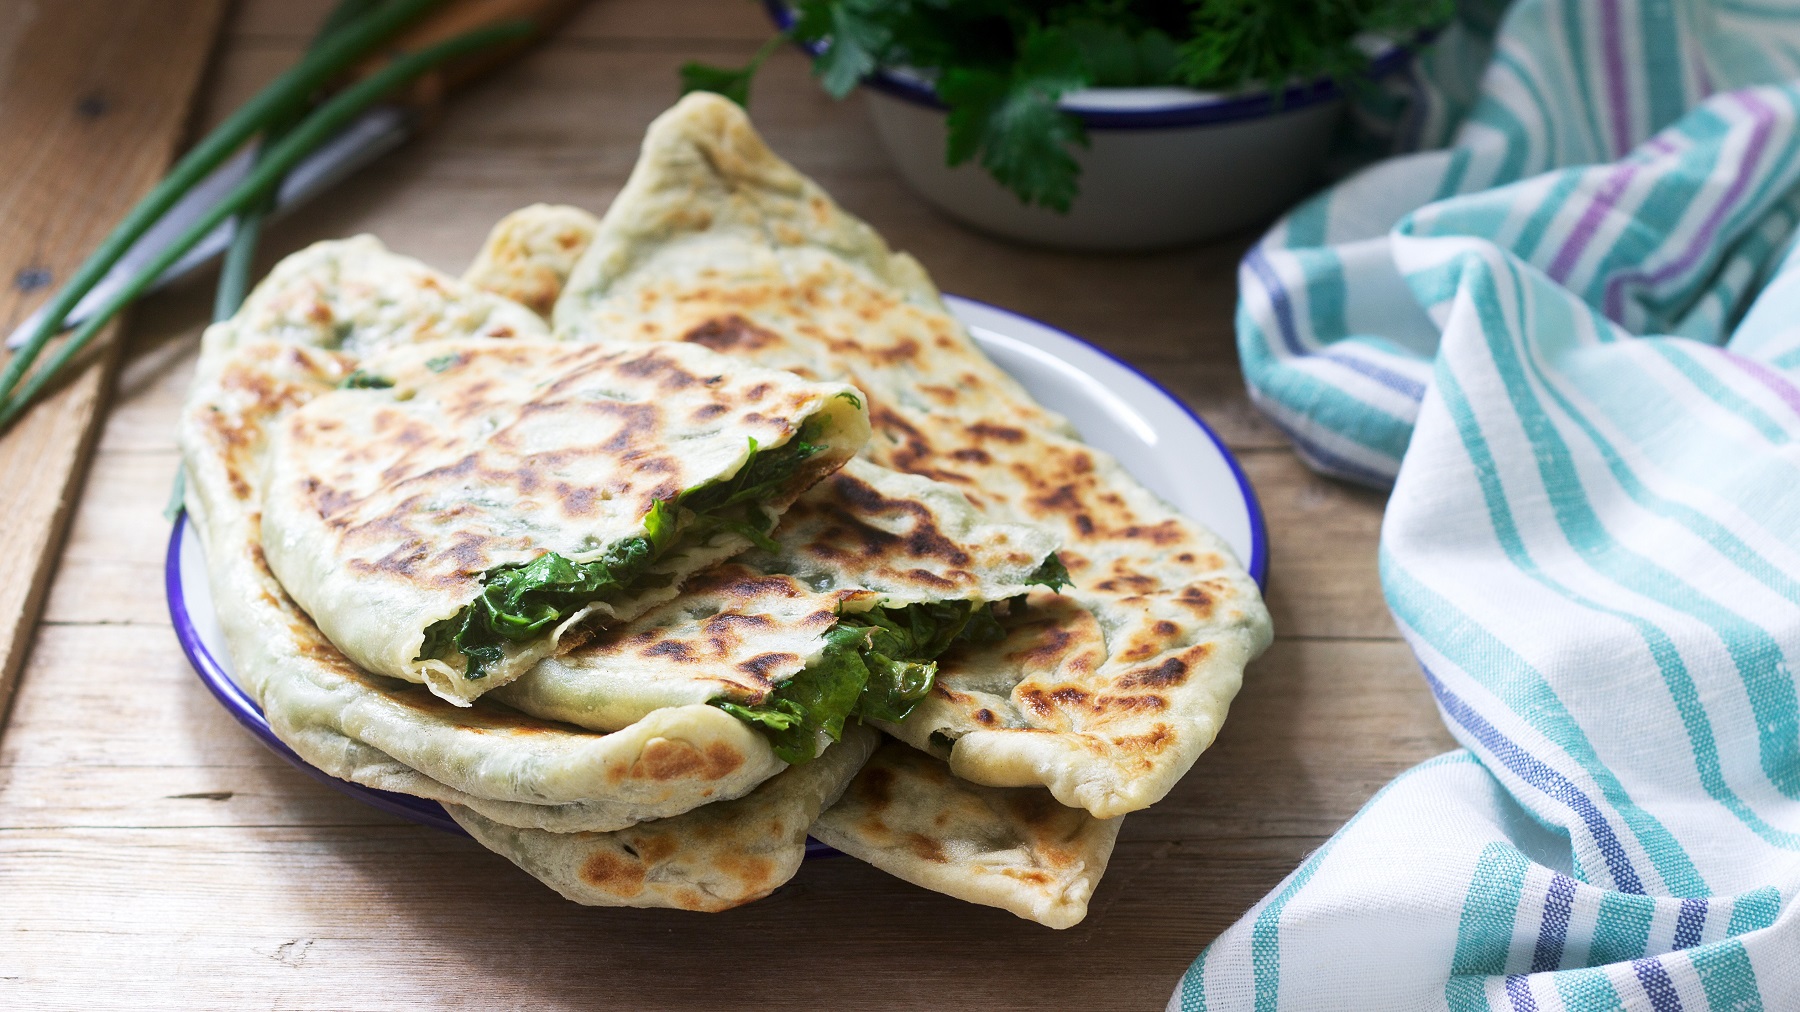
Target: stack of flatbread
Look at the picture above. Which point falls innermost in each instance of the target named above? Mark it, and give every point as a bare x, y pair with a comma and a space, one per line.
658, 542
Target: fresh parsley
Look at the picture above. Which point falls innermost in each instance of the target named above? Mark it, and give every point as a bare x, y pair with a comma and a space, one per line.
1001, 66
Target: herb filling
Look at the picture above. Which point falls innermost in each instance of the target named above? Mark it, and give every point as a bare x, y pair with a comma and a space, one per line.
518, 602
877, 664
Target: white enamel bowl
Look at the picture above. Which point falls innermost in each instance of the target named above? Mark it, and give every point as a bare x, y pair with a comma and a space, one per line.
1164, 166
1116, 408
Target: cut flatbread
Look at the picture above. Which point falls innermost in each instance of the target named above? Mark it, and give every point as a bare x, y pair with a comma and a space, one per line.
1009, 847
390, 734
713, 858
457, 506
863, 538
529, 254
716, 241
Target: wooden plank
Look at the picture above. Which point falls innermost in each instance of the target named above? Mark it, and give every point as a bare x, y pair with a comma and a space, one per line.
93, 98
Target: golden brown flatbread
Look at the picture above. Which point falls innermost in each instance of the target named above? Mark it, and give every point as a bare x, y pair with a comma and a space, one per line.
1107, 697
1009, 847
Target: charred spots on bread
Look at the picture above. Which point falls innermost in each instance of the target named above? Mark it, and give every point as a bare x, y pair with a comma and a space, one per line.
875, 786
924, 541
762, 666
614, 874
665, 759
673, 649
999, 433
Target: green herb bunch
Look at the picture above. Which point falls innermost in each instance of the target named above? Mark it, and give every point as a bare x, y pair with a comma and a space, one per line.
1000, 66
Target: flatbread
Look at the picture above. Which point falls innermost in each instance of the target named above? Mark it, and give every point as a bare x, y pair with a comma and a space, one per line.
713, 858
716, 241
529, 254
375, 730
388, 506
1009, 847
863, 537
354, 296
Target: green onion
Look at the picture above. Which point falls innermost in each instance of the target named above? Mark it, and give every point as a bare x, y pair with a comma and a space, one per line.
275, 102
282, 156
234, 272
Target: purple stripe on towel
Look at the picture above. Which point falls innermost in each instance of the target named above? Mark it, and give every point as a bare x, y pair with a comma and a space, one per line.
1542, 776
1764, 119
1776, 382
1583, 232
1518, 992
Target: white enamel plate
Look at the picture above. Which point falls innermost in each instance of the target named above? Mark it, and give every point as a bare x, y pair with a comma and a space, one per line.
1116, 408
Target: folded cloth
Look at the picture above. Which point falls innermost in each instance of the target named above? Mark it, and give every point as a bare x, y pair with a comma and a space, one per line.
1571, 340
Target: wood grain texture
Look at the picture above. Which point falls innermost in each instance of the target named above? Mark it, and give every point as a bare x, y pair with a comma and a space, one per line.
153, 855
94, 95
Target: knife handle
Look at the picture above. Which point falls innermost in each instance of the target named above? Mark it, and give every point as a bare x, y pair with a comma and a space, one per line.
457, 17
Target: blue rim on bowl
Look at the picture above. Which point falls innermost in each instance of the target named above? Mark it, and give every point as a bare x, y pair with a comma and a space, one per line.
1192, 108
246, 712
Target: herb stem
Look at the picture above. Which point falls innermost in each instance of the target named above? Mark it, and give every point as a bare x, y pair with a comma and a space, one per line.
282, 156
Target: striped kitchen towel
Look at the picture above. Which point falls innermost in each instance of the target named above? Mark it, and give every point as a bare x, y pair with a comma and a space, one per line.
1570, 341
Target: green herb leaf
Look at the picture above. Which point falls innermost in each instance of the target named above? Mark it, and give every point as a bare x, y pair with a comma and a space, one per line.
876, 664
518, 602
1233, 43
1051, 573
732, 82
815, 700
1118, 54
360, 380
1000, 65
441, 362
1012, 122
755, 481
856, 34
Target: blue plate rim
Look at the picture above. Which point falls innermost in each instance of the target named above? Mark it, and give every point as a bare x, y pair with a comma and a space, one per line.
238, 703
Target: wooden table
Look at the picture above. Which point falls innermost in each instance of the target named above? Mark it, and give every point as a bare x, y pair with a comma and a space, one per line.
153, 855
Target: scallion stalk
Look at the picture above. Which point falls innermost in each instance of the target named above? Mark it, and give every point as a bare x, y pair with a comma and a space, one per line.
281, 98
331, 116
234, 270
246, 228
